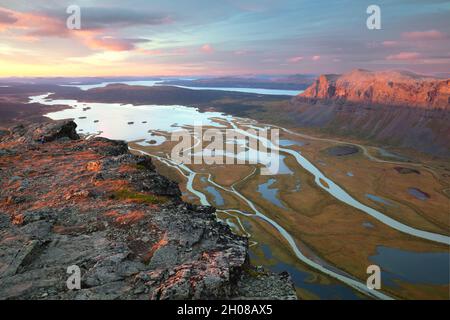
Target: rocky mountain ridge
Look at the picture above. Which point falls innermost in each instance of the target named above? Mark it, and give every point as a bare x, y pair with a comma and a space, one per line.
385, 108
400, 88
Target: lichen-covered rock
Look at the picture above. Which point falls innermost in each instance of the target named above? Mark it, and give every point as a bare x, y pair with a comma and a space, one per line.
43, 132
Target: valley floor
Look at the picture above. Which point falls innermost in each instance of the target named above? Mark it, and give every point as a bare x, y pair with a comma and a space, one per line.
326, 230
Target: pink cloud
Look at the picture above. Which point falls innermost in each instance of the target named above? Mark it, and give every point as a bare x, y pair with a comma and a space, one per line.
424, 35
7, 18
295, 59
316, 58
112, 44
33, 24
390, 44
404, 56
150, 52
207, 48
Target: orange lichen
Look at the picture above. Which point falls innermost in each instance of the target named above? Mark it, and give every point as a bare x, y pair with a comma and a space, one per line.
93, 166
112, 213
125, 168
68, 230
68, 178
161, 243
17, 219
130, 217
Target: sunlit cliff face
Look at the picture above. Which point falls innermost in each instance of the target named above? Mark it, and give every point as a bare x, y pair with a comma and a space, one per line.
158, 37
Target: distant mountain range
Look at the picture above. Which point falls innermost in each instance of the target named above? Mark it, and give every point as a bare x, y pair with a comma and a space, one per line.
283, 82
396, 108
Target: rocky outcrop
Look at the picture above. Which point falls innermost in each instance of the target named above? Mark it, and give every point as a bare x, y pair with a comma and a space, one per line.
398, 88
45, 132
66, 201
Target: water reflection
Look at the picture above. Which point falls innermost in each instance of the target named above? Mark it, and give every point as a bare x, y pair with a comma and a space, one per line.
378, 199
151, 83
413, 267
269, 193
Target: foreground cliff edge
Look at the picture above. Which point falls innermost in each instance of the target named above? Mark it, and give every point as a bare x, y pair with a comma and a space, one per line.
68, 201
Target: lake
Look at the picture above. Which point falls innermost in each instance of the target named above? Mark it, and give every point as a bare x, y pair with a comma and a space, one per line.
151, 83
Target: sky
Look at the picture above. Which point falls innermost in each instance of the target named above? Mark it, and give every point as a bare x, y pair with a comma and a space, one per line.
226, 37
